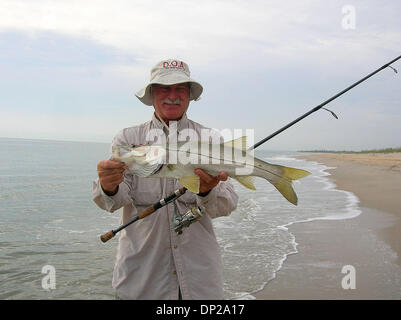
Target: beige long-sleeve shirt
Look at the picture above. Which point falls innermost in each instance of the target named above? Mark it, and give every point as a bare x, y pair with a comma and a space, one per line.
152, 260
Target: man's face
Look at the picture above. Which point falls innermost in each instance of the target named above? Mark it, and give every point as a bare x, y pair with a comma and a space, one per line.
172, 101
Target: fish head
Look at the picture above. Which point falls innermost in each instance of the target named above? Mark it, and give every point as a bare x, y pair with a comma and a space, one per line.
143, 161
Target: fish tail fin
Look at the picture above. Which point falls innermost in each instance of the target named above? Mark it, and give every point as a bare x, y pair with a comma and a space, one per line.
281, 177
284, 184
294, 174
286, 189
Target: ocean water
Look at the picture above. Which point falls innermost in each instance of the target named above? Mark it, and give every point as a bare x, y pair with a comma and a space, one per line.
47, 217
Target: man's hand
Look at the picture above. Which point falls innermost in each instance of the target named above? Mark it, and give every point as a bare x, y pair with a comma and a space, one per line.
110, 174
208, 182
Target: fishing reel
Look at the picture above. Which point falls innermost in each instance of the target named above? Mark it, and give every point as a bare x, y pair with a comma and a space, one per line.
187, 219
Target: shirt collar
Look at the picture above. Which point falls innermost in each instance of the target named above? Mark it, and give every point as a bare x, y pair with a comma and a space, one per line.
181, 124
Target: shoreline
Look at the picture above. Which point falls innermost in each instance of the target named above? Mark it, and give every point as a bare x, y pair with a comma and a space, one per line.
370, 242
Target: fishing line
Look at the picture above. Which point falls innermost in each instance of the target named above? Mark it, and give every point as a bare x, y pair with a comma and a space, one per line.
320, 106
192, 215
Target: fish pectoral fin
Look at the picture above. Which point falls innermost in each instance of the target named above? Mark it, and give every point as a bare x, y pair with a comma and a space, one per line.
145, 169
239, 143
171, 167
246, 181
191, 183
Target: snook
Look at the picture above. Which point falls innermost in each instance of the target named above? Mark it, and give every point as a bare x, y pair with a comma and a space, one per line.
180, 160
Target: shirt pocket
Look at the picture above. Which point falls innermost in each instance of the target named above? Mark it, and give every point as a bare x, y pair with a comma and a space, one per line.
147, 191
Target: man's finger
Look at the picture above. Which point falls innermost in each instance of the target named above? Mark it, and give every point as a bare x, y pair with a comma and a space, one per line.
112, 181
108, 172
223, 176
204, 176
110, 164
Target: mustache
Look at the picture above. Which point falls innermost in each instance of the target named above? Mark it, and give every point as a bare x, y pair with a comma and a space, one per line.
168, 101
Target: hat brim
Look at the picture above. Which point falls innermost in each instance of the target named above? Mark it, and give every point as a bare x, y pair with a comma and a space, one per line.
145, 96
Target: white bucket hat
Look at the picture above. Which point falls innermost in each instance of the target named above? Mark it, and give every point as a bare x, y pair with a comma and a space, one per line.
169, 72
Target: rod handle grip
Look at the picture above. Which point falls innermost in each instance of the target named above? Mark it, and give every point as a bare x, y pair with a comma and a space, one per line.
146, 212
107, 236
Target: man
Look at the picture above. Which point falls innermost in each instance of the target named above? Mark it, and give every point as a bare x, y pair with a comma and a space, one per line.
153, 262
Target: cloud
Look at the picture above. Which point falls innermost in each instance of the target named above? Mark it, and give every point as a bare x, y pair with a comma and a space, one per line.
210, 31
262, 63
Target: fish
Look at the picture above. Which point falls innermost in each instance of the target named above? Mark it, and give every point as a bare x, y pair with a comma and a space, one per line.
181, 159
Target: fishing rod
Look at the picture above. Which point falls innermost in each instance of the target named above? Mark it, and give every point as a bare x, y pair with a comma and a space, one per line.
196, 213
320, 106
144, 213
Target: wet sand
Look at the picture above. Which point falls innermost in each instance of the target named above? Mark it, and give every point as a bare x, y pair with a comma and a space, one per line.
370, 243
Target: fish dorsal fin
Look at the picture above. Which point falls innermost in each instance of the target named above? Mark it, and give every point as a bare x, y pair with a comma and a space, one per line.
246, 181
239, 143
191, 183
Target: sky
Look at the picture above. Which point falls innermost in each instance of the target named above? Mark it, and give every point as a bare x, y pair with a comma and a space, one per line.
69, 69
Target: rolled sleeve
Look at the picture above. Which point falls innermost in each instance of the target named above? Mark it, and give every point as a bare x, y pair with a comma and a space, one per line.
111, 203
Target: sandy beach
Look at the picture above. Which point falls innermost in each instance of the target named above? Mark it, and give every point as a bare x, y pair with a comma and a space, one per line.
370, 242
